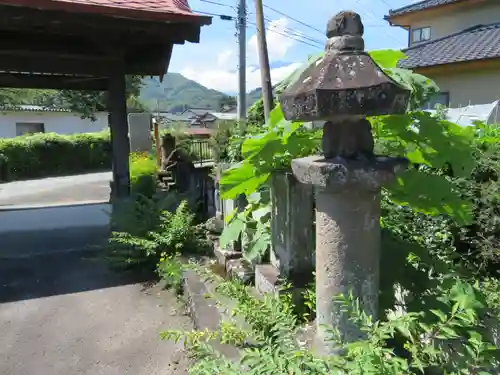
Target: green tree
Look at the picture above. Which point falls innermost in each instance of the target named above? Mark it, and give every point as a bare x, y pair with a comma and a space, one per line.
86, 103
227, 101
13, 97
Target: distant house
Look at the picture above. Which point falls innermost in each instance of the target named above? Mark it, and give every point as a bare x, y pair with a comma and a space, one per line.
22, 119
228, 108
196, 118
457, 44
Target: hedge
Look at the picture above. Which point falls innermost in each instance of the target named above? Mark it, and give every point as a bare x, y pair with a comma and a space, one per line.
476, 245
51, 154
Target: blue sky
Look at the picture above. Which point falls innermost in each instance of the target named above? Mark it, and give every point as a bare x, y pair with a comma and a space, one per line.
213, 62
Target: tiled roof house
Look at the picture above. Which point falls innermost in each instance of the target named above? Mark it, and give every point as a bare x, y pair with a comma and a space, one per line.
457, 44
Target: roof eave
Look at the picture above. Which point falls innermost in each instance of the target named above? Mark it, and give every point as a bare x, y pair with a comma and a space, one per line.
139, 14
462, 64
401, 14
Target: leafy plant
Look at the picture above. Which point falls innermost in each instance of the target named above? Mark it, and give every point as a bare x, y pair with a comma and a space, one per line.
447, 339
145, 230
143, 179
253, 223
170, 268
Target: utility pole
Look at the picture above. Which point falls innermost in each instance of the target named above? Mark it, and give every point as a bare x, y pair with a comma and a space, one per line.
242, 76
267, 88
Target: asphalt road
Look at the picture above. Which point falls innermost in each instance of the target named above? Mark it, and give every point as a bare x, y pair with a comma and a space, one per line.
62, 311
67, 314
56, 190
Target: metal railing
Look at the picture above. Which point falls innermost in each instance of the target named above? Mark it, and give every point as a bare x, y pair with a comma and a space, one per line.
201, 151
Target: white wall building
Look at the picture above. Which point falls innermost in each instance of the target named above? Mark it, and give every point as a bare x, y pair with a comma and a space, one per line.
24, 119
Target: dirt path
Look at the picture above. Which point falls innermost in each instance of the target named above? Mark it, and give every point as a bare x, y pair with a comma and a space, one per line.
67, 314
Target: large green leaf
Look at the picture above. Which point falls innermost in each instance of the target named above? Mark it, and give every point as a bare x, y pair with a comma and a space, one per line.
258, 246
422, 88
232, 231
258, 143
387, 58
241, 179
261, 212
430, 194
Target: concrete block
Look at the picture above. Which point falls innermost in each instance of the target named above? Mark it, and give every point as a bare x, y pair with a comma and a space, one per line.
266, 278
241, 270
224, 256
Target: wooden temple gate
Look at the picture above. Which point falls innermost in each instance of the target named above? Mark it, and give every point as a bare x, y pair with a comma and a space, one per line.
93, 45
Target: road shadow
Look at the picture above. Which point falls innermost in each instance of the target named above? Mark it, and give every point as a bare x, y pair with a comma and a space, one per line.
50, 274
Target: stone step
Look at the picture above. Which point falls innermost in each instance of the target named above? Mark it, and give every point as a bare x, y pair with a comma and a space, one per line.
204, 312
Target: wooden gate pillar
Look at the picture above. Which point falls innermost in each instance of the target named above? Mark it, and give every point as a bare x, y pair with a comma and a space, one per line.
118, 124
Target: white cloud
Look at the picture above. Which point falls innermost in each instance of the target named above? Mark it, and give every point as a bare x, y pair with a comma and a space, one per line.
227, 81
277, 43
223, 75
225, 58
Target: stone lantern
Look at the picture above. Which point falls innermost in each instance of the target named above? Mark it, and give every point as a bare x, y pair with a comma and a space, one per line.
342, 89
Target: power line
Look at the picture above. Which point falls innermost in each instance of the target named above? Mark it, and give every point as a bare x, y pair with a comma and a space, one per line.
299, 33
294, 19
223, 17
217, 3
387, 3
286, 36
322, 32
371, 13
296, 34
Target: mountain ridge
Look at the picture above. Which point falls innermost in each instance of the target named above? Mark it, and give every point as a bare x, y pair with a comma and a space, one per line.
177, 92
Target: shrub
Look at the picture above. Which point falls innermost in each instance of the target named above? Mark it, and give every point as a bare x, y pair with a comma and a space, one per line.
147, 229
476, 245
479, 242
170, 269
51, 154
448, 338
143, 174
220, 140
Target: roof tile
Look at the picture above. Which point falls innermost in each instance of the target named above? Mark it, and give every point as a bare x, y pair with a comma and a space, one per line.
146, 5
118, 7
421, 5
475, 43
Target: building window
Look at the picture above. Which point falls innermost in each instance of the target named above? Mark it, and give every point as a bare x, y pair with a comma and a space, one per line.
23, 128
421, 34
442, 98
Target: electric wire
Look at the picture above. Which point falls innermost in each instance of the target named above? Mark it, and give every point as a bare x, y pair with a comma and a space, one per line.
294, 19
387, 3
217, 3
296, 34
285, 35
223, 17
371, 13
287, 32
